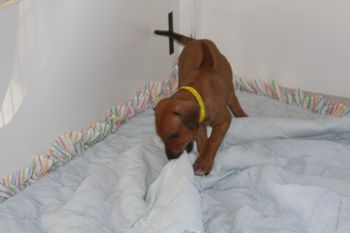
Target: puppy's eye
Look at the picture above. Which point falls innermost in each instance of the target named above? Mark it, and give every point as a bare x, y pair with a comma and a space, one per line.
174, 135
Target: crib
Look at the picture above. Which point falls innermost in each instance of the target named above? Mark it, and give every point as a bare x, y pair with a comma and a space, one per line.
285, 168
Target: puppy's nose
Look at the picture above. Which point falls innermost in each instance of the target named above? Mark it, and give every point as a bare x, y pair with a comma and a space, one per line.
172, 154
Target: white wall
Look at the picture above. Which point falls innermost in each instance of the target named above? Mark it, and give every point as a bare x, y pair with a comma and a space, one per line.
300, 43
64, 63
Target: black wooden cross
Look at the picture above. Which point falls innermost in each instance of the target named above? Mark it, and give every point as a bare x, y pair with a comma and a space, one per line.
171, 28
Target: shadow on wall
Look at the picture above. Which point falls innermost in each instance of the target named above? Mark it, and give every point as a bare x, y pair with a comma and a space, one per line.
29, 53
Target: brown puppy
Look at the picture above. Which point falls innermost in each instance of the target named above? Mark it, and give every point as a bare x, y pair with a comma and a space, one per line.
204, 68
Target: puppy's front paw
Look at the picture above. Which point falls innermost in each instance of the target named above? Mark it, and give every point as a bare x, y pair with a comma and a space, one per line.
203, 165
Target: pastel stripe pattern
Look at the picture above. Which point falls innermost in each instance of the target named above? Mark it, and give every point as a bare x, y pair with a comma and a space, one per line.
314, 103
73, 143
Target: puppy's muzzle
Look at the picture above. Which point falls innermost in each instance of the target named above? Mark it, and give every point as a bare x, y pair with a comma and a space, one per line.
176, 154
172, 154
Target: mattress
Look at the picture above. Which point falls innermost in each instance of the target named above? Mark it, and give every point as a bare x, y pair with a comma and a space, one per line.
282, 169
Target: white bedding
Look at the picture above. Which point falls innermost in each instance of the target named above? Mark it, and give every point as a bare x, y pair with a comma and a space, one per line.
283, 169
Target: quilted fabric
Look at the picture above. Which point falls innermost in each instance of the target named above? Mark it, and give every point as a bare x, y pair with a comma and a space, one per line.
283, 169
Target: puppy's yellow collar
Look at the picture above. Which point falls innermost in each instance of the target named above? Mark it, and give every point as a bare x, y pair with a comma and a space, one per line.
199, 100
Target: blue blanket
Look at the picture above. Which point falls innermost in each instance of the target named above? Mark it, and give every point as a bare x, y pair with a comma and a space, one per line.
283, 169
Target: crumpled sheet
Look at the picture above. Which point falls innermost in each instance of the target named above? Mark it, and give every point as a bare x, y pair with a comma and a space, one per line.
283, 169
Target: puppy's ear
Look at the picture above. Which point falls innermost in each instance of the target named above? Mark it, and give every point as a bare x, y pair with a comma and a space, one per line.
188, 113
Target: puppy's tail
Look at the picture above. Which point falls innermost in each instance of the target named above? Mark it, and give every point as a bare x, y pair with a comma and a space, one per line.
178, 37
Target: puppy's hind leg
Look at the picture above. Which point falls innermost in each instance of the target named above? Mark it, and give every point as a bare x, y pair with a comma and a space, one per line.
235, 106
